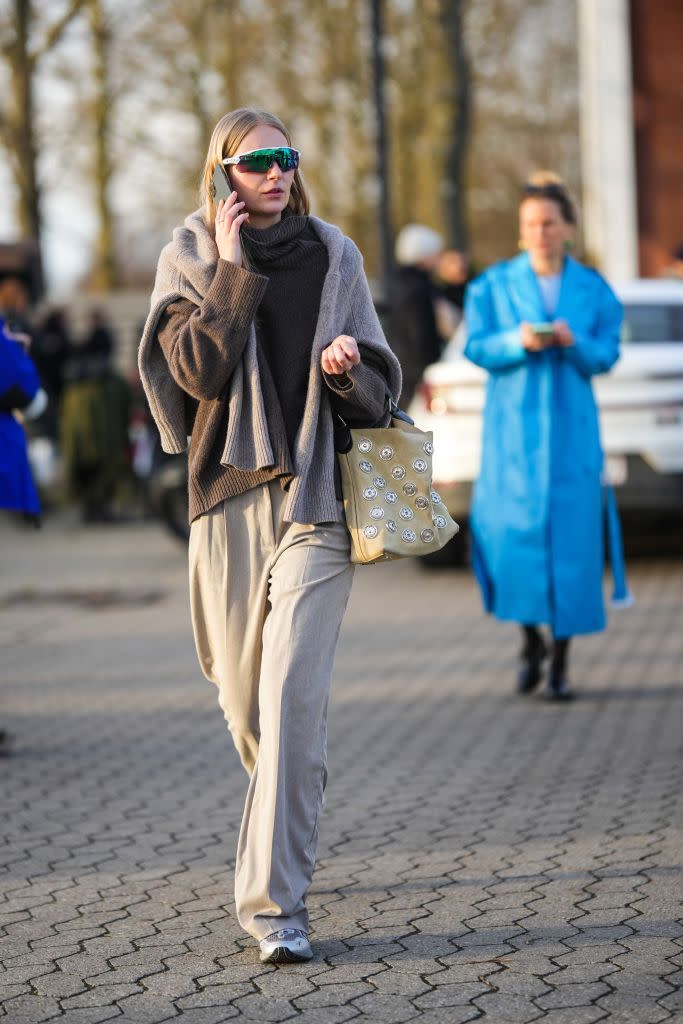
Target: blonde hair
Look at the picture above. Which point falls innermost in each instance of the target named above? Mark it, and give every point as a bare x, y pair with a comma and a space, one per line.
226, 139
549, 185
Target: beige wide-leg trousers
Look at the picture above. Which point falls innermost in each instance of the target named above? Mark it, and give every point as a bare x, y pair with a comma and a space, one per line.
267, 600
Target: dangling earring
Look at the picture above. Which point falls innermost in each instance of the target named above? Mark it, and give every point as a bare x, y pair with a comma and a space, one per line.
521, 245
568, 245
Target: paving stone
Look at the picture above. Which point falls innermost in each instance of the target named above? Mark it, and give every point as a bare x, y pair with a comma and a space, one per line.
672, 1002
332, 995
349, 973
286, 984
91, 1015
259, 1007
630, 1007
575, 1015
327, 1015
643, 984
476, 954
18, 974
58, 984
210, 1015
507, 1008
451, 1015
519, 984
607, 918
583, 973
147, 1009
589, 954
577, 994
31, 1008
217, 995
168, 984
389, 1009
450, 995
536, 883
10, 992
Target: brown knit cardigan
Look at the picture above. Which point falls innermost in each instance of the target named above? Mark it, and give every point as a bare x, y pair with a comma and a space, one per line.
233, 392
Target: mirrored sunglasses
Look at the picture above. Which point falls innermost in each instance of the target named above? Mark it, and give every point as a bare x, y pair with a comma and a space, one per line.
262, 160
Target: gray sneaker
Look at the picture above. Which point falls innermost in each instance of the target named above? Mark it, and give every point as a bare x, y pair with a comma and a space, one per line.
288, 946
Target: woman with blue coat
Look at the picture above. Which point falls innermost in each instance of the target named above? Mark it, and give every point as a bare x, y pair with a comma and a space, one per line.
542, 324
20, 391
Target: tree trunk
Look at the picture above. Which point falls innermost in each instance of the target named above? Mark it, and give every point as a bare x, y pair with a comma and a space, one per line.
382, 149
230, 60
105, 271
21, 126
452, 12
17, 113
198, 28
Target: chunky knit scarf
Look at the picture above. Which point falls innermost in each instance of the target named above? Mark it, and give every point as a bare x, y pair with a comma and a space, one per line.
185, 270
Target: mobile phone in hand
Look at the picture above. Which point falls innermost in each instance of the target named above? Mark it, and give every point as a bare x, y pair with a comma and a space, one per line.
220, 184
545, 332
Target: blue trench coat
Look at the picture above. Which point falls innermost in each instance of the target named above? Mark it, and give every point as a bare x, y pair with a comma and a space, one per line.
539, 507
19, 383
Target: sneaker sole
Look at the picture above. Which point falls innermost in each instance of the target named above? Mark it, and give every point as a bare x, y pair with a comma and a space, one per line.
282, 955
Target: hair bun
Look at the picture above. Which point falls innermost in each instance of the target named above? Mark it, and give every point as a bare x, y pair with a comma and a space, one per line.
549, 185
539, 179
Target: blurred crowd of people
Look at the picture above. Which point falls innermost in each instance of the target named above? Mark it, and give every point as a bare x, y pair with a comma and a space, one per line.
60, 390
75, 411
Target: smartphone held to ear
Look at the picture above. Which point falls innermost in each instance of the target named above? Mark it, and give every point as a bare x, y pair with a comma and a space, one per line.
220, 184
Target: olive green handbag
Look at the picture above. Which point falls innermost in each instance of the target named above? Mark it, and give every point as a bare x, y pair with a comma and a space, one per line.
390, 506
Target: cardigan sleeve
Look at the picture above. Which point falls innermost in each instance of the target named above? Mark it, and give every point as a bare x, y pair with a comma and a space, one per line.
203, 344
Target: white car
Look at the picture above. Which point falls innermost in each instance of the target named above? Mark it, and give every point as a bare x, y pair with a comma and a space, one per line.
640, 403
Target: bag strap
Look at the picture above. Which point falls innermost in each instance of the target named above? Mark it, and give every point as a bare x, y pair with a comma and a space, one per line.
399, 414
342, 431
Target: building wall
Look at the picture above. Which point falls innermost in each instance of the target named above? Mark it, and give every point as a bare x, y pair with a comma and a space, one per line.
657, 46
607, 145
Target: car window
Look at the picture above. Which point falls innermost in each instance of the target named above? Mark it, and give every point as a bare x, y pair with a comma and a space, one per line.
652, 323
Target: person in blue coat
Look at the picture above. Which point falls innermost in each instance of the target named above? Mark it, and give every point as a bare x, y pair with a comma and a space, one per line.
542, 325
20, 391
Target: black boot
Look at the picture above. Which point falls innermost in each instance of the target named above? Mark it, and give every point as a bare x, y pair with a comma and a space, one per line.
532, 655
558, 687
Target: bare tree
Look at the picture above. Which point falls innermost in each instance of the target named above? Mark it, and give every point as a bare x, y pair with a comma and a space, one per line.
105, 269
22, 53
452, 19
477, 93
525, 112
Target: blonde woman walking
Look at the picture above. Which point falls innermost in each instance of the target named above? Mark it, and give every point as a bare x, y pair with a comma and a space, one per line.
261, 327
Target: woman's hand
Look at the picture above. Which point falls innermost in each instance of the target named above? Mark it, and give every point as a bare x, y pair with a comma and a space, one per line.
340, 355
531, 341
229, 220
563, 333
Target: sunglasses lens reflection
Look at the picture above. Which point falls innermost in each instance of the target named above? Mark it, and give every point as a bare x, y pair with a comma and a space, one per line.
263, 159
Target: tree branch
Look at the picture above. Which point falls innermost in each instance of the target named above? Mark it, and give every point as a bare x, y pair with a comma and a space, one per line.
55, 32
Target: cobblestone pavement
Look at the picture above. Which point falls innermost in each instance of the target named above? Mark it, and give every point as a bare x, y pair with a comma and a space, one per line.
482, 856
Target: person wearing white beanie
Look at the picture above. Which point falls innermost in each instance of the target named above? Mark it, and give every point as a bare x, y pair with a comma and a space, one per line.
418, 245
414, 335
